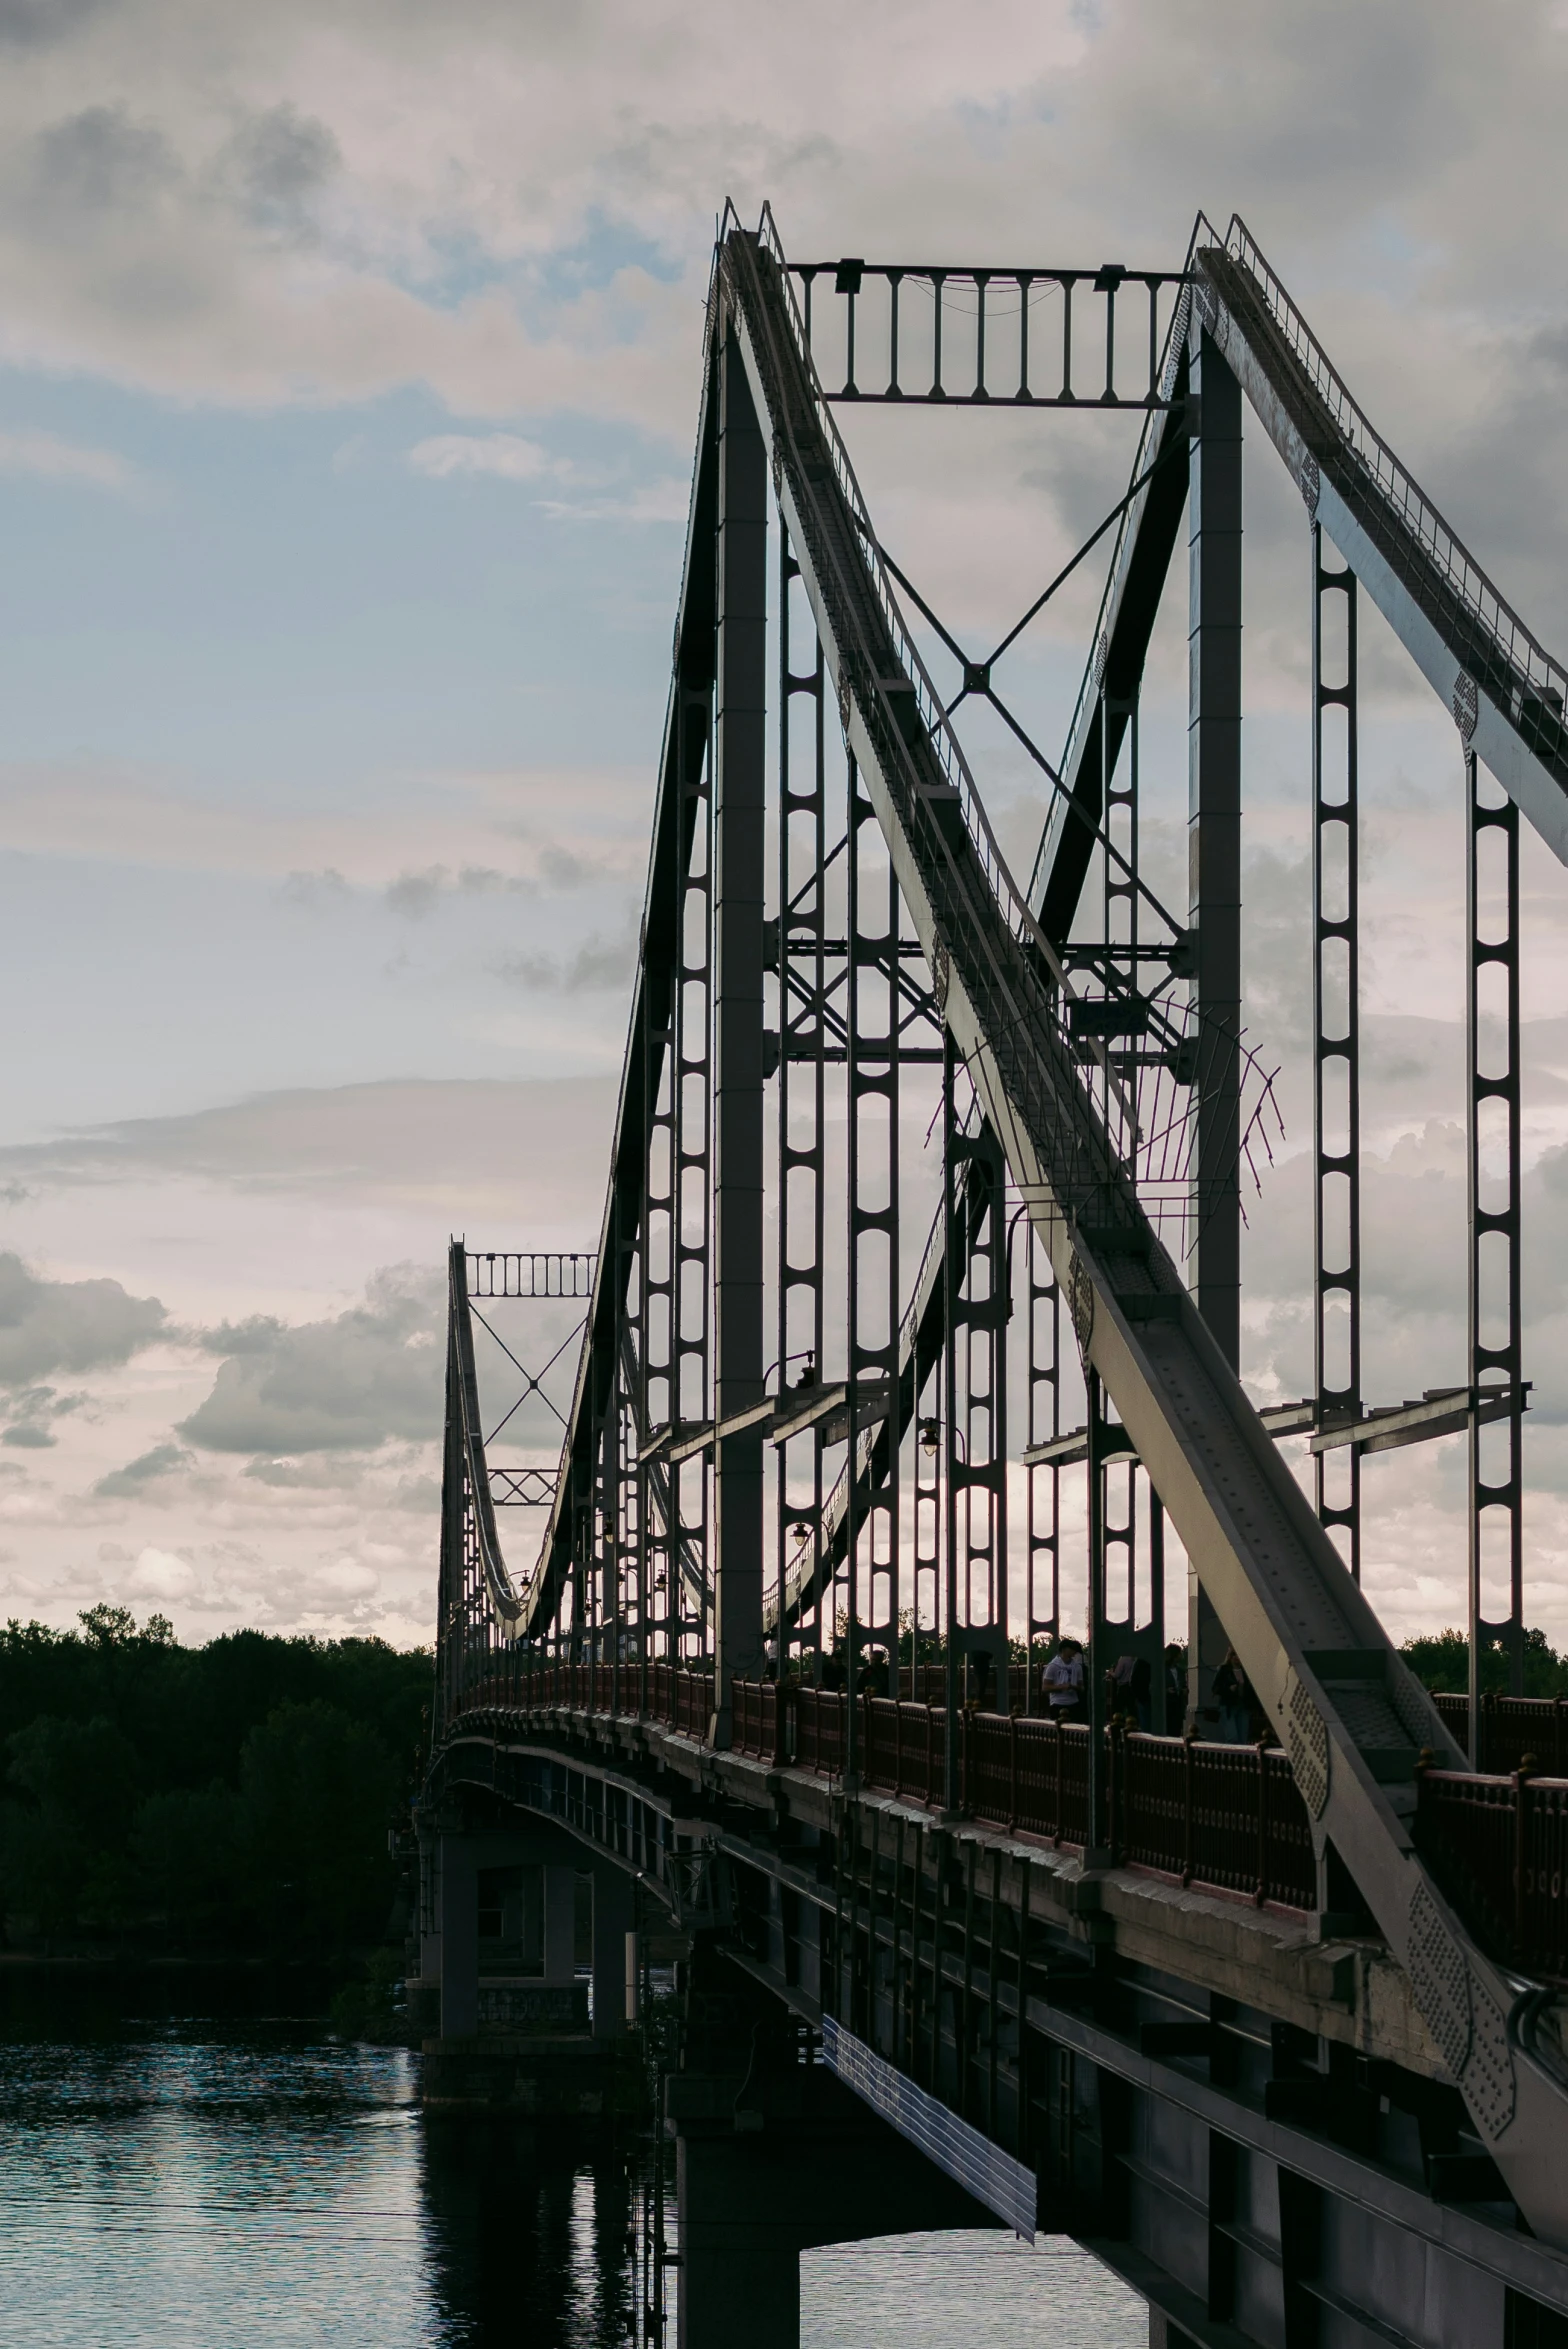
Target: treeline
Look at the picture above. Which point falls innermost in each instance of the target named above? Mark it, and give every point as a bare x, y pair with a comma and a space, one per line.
233, 1798
1442, 1661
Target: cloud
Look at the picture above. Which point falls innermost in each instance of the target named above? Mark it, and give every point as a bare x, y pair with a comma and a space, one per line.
598, 963
68, 1325
275, 162
99, 162
414, 895
131, 1481
162, 1574
345, 1384
653, 501
38, 24
423, 1140
309, 892
47, 458
31, 1411
500, 454
347, 1579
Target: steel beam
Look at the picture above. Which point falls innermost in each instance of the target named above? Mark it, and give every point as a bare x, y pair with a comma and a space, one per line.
1134, 587
1214, 888
1336, 1031
1495, 1297
656, 995
1214, 837
739, 869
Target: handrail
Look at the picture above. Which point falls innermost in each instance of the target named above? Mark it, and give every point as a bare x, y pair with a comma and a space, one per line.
1227, 1817
1521, 648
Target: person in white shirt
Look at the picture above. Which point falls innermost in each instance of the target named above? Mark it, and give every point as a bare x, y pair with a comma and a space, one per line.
1063, 1682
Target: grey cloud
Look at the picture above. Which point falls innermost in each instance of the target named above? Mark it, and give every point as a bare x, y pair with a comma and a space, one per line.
257, 1334
415, 895
458, 1142
32, 1411
346, 1384
124, 1484
311, 891
100, 161
68, 1325
598, 963
562, 869
276, 161
38, 24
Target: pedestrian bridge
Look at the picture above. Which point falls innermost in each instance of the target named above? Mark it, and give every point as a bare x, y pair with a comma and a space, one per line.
923, 1217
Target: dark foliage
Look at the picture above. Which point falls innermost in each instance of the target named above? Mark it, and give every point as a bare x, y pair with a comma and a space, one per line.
1442, 1661
235, 1796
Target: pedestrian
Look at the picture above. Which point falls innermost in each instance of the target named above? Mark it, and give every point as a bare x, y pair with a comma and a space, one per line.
980, 1675
1175, 1689
1234, 1699
1064, 1680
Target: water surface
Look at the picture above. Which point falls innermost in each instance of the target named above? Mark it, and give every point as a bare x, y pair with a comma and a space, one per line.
230, 2183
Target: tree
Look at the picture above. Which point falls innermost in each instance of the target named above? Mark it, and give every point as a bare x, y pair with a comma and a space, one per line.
317, 1792
1442, 1661
64, 1834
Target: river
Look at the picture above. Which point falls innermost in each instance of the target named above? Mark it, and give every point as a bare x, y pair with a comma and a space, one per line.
230, 2182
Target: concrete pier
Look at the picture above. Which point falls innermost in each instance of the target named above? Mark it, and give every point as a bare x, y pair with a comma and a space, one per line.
522, 1971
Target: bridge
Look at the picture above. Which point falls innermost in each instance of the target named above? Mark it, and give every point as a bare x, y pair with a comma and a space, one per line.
912, 1337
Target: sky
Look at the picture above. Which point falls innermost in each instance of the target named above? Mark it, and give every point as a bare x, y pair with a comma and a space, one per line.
349, 361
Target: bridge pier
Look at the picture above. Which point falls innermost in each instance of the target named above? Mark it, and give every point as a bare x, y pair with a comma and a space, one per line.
774, 2156
510, 1907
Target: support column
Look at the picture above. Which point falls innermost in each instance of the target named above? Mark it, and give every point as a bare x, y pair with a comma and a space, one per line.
560, 1927
1336, 1025
739, 836
613, 1915
459, 1912
1214, 838
1495, 1295
740, 2257
1214, 880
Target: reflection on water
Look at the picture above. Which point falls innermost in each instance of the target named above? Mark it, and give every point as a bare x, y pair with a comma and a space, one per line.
245, 2181
983, 2291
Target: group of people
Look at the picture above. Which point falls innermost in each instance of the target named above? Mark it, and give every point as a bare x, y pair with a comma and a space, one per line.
1233, 1716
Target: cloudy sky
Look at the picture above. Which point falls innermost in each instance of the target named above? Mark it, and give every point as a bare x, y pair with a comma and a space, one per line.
348, 370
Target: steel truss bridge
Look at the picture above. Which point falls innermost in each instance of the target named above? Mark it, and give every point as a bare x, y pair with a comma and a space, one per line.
918, 1297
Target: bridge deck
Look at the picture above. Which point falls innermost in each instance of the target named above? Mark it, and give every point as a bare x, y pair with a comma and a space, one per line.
1003, 1979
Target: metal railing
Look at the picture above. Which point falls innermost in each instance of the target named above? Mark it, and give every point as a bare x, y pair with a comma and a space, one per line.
1227, 1817
1515, 1731
1224, 1816
1540, 679
1499, 1847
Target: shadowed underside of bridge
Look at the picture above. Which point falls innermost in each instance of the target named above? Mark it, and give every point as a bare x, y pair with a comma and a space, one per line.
909, 1161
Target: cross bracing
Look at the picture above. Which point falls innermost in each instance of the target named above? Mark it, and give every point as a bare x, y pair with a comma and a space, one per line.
884, 1116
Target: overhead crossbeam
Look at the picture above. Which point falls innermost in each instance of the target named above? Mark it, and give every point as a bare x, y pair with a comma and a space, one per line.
909, 332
